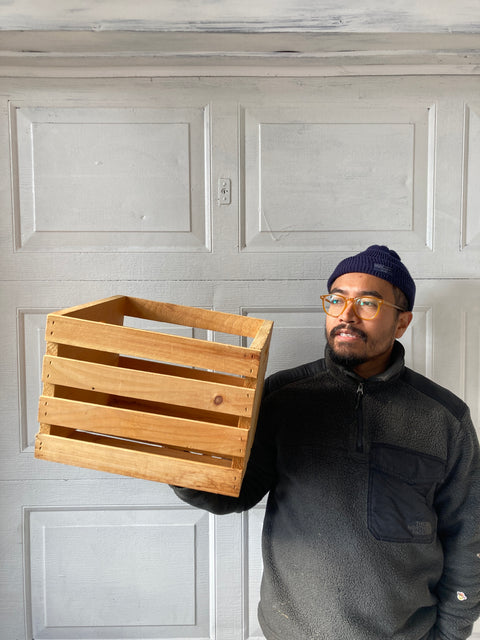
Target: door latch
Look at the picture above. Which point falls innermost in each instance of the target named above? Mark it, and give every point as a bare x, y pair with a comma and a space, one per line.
224, 191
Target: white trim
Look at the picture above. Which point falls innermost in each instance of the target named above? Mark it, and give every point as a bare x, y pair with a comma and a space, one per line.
163, 54
141, 71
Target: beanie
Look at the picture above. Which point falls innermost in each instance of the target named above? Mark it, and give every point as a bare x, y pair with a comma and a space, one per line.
382, 262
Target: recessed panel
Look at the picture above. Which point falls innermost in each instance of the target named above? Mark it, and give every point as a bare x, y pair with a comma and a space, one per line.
31, 349
298, 336
105, 179
306, 169
417, 341
472, 363
326, 178
471, 201
141, 167
134, 574
254, 524
450, 336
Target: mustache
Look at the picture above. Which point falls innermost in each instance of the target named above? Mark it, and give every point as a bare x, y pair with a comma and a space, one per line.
342, 327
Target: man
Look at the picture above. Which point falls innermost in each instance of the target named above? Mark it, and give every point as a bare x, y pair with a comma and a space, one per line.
372, 526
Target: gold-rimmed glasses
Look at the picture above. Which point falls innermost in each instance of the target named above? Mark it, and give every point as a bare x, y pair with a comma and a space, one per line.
364, 307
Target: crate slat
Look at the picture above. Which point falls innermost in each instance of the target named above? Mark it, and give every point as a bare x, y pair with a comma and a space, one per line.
151, 344
144, 426
173, 370
193, 317
263, 340
148, 465
143, 385
111, 310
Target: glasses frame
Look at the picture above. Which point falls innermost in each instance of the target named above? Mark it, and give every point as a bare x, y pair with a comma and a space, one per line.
380, 301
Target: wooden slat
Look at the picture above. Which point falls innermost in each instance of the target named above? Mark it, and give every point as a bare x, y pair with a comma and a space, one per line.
148, 427
49, 388
160, 465
148, 386
153, 345
262, 338
174, 370
266, 336
161, 408
244, 424
111, 310
52, 350
134, 447
193, 317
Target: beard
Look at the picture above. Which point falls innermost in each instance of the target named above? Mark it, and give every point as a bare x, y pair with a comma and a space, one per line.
350, 361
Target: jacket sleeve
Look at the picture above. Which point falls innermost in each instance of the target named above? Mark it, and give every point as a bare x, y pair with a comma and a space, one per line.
458, 509
258, 479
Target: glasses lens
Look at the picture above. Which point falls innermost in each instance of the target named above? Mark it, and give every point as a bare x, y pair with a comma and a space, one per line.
334, 304
366, 308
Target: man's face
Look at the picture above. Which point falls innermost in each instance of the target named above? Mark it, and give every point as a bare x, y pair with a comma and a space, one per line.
366, 344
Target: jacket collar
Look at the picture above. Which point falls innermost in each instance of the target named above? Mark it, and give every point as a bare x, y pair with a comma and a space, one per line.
394, 370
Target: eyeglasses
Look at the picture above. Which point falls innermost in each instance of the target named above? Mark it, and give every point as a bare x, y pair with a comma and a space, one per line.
364, 307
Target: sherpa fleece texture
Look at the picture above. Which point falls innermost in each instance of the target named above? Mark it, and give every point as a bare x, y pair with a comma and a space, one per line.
372, 526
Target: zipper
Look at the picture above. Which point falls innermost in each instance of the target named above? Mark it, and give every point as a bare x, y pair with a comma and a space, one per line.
359, 410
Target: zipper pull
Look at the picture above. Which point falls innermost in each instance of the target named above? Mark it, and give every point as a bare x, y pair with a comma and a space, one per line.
360, 425
359, 394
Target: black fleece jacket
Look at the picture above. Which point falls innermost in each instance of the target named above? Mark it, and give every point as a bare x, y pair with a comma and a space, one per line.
372, 525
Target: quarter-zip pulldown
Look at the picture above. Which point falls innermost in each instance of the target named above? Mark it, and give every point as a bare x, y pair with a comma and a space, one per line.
359, 410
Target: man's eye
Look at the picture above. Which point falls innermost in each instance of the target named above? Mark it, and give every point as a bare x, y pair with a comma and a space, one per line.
334, 300
366, 302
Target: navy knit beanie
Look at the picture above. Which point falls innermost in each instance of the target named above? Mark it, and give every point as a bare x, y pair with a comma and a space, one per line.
380, 261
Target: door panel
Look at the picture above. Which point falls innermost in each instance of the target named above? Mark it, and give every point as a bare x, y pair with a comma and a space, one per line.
367, 168
96, 572
110, 179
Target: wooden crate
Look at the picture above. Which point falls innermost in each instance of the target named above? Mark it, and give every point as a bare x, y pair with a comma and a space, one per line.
149, 404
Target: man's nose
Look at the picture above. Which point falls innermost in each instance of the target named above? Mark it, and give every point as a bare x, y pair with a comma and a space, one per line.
348, 314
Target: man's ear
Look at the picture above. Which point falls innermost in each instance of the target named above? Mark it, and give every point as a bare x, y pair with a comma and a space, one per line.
404, 319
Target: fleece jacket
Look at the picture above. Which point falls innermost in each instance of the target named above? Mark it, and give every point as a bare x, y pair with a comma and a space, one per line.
372, 524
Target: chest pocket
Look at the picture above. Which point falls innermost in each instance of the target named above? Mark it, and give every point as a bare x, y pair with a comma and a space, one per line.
401, 490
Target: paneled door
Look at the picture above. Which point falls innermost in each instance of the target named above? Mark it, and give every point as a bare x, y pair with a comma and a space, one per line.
114, 186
